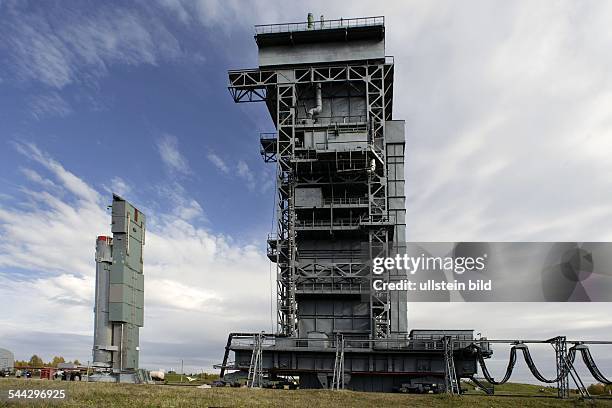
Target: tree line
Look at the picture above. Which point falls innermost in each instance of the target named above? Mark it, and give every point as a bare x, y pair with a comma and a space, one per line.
600, 389
36, 361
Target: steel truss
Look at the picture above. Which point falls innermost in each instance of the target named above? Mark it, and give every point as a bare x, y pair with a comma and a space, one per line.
253, 85
286, 238
279, 89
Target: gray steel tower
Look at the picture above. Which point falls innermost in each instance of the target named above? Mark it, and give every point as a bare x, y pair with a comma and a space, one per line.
339, 156
119, 302
340, 172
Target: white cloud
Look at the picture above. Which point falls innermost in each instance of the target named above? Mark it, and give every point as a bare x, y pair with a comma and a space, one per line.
39, 236
511, 127
183, 206
119, 186
59, 46
176, 295
218, 162
245, 173
178, 8
38, 304
191, 274
71, 182
33, 176
219, 14
49, 105
168, 149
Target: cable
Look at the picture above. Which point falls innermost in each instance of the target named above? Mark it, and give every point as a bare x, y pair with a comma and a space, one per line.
530, 364
485, 371
534, 370
587, 357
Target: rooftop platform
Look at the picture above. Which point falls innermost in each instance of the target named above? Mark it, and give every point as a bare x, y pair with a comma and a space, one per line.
321, 42
343, 29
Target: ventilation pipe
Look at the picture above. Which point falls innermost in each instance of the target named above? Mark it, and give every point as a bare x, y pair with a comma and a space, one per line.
317, 109
372, 168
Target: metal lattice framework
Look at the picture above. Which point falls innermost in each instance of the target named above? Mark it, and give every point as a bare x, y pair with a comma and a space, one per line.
254, 85
286, 261
561, 355
450, 373
279, 90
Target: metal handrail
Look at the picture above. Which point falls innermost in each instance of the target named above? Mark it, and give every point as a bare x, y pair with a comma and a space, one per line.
347, 200
358, 120
341, 222
319, 25
398, 343
337, 222
333, 286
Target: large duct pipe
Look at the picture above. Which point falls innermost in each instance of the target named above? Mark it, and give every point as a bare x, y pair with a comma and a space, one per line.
103, 329
317, 109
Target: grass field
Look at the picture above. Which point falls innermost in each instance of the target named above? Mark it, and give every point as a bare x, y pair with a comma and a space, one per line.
82, 394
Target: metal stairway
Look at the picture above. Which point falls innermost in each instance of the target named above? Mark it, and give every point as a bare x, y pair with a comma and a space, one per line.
255, 376
338, 379
450, 374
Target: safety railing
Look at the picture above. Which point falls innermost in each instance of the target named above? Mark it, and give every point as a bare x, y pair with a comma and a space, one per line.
318, 287
358, 121
267, 136
336, 222
346, 201
353, 343
320, 25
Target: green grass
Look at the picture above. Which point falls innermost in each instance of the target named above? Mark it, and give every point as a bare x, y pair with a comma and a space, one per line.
82, 394
516, 389
175, 379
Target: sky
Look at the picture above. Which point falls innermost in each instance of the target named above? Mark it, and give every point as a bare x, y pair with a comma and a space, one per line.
508, 137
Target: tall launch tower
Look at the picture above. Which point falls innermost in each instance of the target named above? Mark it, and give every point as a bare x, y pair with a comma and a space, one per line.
119, 301
339, 155
340, 172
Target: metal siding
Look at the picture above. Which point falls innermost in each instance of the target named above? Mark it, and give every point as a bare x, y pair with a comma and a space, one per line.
321, 52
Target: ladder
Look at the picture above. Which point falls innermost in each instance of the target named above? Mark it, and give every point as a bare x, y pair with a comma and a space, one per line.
255, 376
338, 379
450, 374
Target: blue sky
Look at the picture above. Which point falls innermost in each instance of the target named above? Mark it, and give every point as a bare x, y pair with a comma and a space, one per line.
508, 126
106, 115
